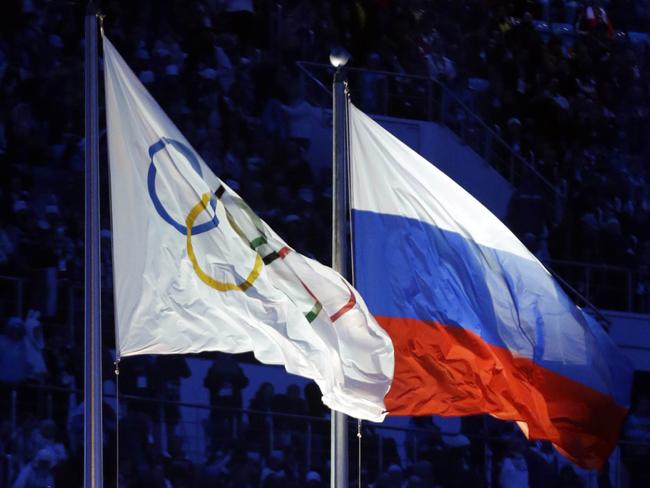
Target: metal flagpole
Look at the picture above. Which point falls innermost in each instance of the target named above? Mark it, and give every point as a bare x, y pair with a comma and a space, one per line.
93, 443
339, 422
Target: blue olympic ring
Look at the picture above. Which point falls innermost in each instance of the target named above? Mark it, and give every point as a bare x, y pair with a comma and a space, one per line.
151, 186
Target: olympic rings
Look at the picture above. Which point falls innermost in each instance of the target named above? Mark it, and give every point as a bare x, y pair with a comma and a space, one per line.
208, 280
151, 185
188, 229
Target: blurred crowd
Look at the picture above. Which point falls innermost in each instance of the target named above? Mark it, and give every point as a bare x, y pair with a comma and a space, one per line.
274, 439
573, 104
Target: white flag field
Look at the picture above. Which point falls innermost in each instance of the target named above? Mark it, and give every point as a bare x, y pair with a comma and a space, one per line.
196, 270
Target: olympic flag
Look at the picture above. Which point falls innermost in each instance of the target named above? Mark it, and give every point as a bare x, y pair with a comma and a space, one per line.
471, 313
196, 270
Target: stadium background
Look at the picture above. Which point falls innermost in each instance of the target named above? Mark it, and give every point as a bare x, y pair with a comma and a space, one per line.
547, 105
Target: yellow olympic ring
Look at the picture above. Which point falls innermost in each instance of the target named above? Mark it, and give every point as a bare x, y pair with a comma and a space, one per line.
208, 280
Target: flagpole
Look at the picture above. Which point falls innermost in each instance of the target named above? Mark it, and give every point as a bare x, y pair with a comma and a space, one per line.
93, 443
339, 421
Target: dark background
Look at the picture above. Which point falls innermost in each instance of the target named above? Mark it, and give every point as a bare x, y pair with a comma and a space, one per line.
572, 105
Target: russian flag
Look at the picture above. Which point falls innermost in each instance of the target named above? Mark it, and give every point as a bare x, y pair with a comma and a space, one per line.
478, 324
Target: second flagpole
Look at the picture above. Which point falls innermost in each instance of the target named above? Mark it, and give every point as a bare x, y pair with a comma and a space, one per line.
339, 466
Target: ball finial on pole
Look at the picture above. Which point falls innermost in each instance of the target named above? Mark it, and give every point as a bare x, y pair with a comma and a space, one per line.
339, 57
